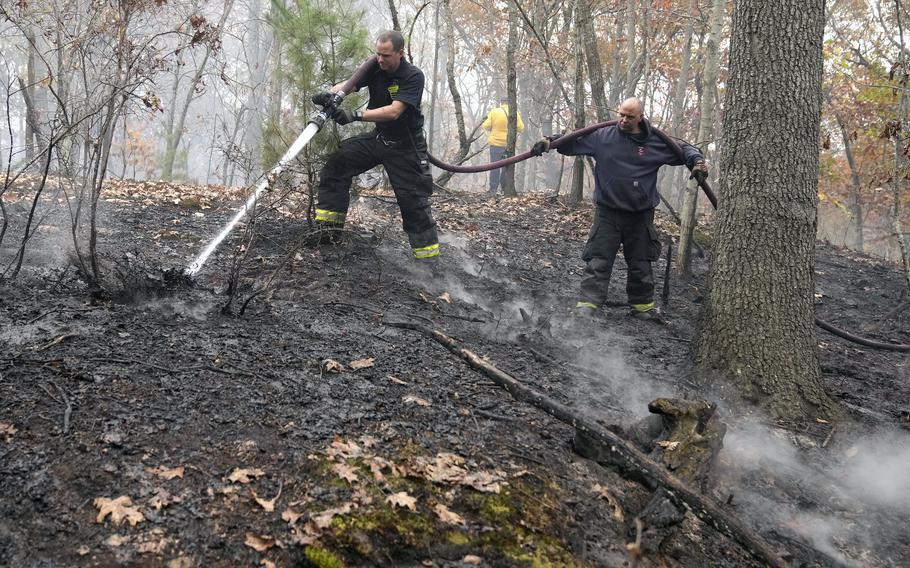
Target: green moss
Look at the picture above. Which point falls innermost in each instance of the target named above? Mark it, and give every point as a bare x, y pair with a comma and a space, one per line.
524, 524
498, 508
322, 558
457, 538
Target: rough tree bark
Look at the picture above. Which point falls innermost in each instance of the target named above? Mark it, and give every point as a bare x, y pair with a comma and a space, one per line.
757, 324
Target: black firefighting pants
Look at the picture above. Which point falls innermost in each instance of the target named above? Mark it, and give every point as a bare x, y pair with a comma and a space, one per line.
408, 167
640, 244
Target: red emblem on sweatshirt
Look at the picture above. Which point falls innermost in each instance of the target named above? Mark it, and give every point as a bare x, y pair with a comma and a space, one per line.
641, 150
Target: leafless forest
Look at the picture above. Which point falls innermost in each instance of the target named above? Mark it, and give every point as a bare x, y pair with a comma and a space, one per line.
302, 403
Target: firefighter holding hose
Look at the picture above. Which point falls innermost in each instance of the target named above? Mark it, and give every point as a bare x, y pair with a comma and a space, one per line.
396, 89
627, 156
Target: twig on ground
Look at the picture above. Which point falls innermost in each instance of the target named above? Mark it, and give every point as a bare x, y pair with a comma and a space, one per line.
54, 341
492, 416
68, 411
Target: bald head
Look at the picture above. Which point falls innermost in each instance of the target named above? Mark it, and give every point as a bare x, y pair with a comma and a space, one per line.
631, 112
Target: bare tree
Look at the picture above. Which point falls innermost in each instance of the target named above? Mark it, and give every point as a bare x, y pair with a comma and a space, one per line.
208, 36
508, 173
705, 127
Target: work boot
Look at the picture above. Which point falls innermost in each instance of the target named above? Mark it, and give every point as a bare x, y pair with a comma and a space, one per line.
647, 314
430, 268
325, 234
585, 310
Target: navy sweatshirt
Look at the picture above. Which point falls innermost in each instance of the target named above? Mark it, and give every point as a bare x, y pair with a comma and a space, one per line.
625, 174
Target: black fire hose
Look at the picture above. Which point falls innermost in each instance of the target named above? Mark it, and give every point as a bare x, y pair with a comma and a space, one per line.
702, 182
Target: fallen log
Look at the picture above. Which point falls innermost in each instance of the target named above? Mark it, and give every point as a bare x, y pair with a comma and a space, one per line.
621, 452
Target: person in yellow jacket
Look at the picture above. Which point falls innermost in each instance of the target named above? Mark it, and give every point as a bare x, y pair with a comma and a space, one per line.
497, 127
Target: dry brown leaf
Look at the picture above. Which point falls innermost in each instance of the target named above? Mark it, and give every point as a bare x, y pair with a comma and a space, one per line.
267, 504
362, 363
472, 559
342, 449
120, 509
447, 516
324, 519
442, 468
485, 481
402, 499
245, 475
377, 464
166, 473
302, 538
115, 540
618, 515
260, 543
396, 380
416, 400
162, 499
668, 445
267, 563
181, 562
362, 497
445, 297
7, 430
152, 546
290, 516
345, 472
82, 550
332, 366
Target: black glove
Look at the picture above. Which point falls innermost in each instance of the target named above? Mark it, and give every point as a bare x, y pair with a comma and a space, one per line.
343, 117
322, 99
543, 145
699, 171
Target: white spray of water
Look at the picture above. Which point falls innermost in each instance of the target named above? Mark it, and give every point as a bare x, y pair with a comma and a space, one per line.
302, 140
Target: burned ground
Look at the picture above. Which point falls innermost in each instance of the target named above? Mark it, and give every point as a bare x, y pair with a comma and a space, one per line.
156, 426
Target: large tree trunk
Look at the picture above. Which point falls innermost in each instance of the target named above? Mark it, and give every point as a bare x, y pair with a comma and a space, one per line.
705, 127
508, 173
757, 325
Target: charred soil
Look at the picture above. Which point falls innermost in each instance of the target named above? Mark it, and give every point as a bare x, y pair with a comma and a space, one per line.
269, 414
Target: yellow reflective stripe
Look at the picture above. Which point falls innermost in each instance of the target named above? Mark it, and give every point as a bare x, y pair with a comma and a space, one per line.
331, 216
643, 307
426, 252
586, 305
